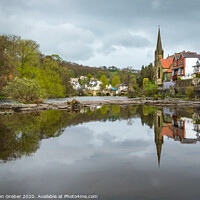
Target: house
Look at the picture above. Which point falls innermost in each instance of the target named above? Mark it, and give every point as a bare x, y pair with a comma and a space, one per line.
183, 65
74, 80
83, 78
167, 65
109, 87
94, 85
196, 67
75, 84
123, 87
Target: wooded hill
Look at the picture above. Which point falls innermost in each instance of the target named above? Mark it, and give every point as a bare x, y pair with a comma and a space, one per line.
50, 74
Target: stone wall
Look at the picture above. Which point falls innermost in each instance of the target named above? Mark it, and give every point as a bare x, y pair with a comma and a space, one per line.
183, 83
197, 92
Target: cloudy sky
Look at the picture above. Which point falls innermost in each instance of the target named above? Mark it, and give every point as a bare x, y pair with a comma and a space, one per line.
104, 32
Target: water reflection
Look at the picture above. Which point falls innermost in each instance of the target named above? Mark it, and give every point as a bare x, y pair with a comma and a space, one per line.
20, 134
111, 151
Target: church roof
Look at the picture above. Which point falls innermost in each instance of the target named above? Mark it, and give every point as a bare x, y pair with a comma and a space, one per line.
166, 63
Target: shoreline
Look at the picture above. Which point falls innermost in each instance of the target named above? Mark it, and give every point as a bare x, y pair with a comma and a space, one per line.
76, 105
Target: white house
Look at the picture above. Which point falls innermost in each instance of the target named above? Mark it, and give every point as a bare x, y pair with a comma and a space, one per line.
75, 84
183, 65
94, 85
74, 80
83, 77
109, 87
196, 67
123, 87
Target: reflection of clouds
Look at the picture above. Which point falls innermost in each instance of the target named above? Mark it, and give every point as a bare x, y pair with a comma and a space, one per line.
111, 159
82, 141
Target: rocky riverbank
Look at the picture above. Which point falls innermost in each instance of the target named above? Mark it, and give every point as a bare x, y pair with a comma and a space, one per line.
75, 105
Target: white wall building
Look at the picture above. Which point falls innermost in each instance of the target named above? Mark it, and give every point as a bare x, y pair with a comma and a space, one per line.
183, 65
122, 88
94, 85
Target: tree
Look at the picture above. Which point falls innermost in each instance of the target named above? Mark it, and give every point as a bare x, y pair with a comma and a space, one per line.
151, 89
89, 76
25, 90
145, 82
104, 81
115, 81
129, 78
99, 74
49, 77
146, 72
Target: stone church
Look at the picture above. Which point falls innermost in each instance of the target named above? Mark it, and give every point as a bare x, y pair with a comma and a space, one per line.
163, 67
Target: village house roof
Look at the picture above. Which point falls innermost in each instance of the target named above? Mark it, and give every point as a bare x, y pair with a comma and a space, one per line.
169, 70
186, 55
166, 131
189, 55
123, 85
166, 63
170, 57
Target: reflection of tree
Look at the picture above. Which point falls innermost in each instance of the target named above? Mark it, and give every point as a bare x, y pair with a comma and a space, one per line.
14, 146
115, 109
20, 134
147, 114
104, 109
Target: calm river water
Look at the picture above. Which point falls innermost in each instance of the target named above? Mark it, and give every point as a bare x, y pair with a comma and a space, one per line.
117, 153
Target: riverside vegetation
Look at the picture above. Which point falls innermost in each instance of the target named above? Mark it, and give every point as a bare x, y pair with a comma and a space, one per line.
29, 76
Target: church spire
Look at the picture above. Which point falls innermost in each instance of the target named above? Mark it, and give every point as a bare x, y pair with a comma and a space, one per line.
159, 50
159, 44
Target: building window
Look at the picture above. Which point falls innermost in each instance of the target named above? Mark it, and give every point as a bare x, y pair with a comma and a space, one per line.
159, 121
159, 72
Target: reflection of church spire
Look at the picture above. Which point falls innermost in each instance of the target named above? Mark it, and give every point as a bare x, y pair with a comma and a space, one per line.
159, 148
158, 137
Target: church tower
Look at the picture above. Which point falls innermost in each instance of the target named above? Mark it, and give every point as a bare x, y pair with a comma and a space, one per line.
159, 54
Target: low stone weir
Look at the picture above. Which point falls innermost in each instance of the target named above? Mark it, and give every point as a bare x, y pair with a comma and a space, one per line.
75, 105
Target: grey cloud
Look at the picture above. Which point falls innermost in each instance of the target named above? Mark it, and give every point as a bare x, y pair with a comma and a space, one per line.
104, 22
125, 40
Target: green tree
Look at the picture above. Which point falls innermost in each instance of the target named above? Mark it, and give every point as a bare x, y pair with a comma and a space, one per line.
25, 90
116, 80
104, 81
99, 74
49, 77
89, 76
145, 82
151, 89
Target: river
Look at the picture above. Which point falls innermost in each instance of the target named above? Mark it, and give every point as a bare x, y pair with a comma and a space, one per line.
129, 152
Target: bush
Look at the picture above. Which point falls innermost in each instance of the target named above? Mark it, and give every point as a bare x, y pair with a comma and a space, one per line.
190, 91
25, 90
145, 81
151, 89
99, 93
178, 78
